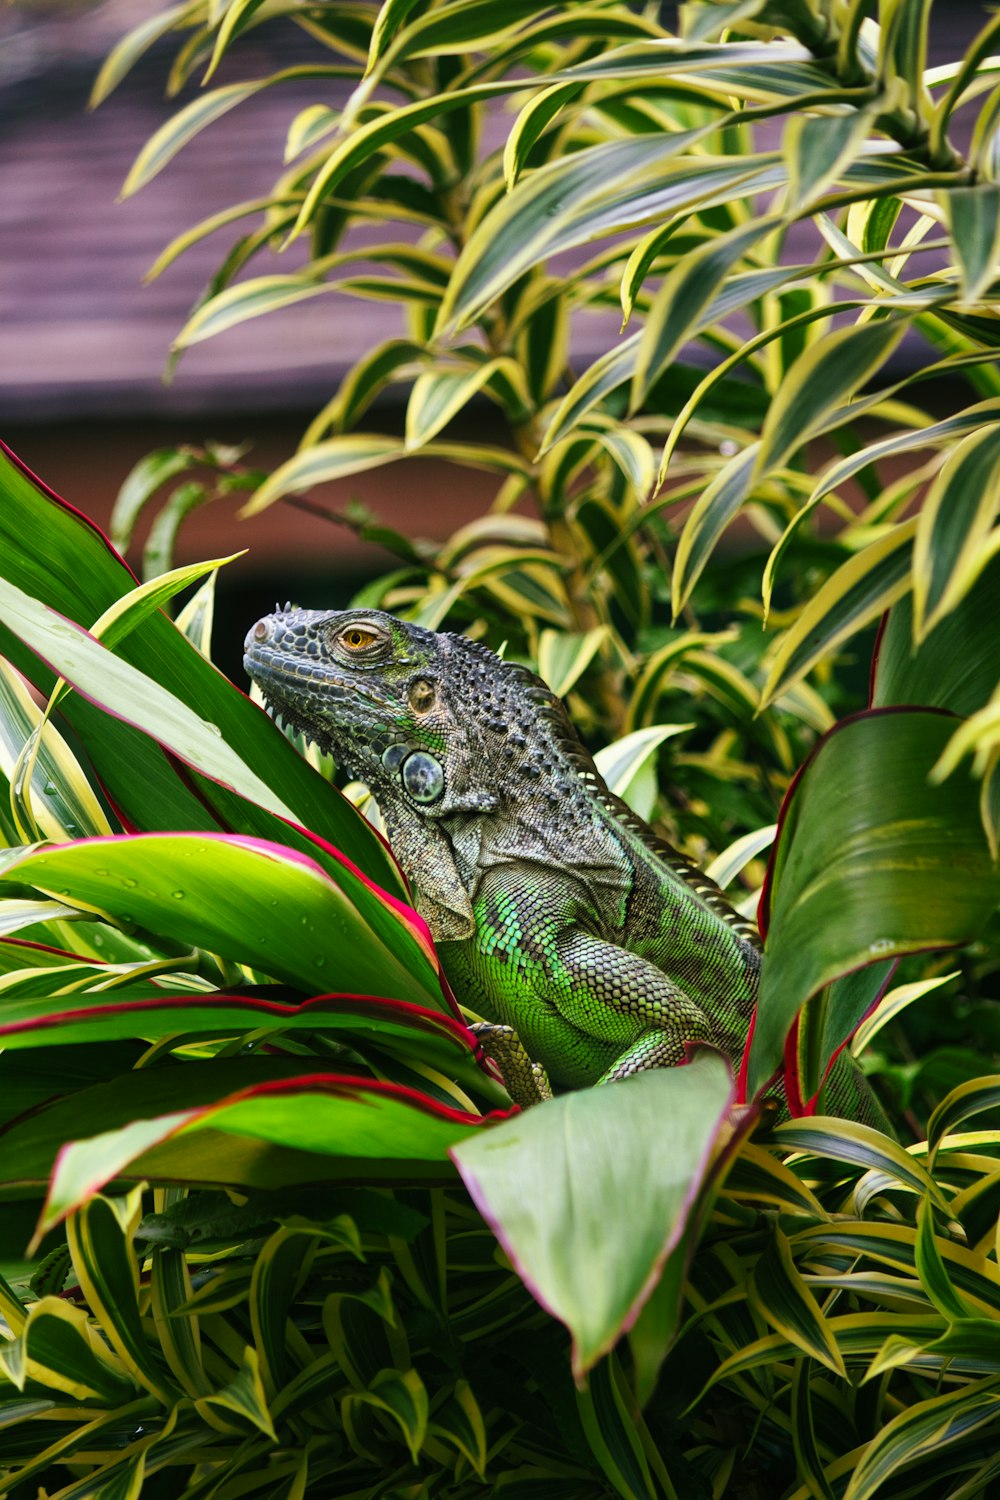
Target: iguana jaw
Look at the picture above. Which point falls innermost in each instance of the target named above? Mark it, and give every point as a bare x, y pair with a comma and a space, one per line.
347, 680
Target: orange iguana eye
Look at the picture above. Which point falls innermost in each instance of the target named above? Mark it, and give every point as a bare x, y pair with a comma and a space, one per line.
355, 638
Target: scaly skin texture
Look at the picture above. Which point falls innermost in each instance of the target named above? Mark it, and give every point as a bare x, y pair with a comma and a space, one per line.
558, 912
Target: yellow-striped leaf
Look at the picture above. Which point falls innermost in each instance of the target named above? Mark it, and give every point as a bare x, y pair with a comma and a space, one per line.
123, 57
858, 592
531, 123
182, 127
973, 218
923, 1430
686, 291
820, 380
564, 656
719, 505
616, 185
100, 1236
439, 395
308, 128
955, 537
779, 1294
818, 148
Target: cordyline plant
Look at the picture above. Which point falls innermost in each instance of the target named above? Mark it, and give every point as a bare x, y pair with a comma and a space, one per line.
211, 980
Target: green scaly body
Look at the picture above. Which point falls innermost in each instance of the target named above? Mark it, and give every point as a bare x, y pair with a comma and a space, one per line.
557, 911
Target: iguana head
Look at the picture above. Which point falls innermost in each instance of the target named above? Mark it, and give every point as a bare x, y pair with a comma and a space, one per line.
403, 708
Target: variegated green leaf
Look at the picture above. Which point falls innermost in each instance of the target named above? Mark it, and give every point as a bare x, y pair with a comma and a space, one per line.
309, 127
564, 656
686, 291
570, 202
531, 123
955, 536
182, 127
709, 518
727, 865
922, 1430
892, 1005
973, 218
100, 1238
820, 380
818, 147
781, 1296
122, 58
439, 395
629, 765
858, 592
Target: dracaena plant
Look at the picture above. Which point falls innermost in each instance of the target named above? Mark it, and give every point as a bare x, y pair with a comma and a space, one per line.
776, 199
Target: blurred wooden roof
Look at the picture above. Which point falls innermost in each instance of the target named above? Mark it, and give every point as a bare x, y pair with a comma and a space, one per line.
80, 335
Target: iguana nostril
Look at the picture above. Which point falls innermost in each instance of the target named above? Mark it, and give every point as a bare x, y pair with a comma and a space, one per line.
260, 631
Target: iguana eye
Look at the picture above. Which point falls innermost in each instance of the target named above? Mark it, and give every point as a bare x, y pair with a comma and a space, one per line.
355, 638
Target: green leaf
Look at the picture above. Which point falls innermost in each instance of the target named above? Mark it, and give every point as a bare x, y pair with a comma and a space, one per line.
182, 127
857, 593
403, 1396
892, 1005
861, 1146
818, 148
96, 672
237, 17
843, 470
531, 124
62, 802
337, 1120
687, 290
310, 126
243, 1396
59, 1349
867, 868
629, 765
976, 1097
606, 374
122, 58
253, 902
141, 483
100, 1240
611, 1430
955, 539
564, 656
827, 373
570, 202
439, 395
249, 299
923, 1429
542, 1181
973, 218
352, 454
712, 513
335, 458
780, 1295
956, 666
726, 866
79, 576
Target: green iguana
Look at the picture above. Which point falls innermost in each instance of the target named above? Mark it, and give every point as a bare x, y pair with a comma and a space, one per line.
559, 913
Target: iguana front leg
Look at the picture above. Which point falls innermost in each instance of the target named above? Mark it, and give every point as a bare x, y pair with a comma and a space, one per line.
587, 1009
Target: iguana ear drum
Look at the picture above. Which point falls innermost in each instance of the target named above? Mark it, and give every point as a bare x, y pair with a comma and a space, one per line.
422, 777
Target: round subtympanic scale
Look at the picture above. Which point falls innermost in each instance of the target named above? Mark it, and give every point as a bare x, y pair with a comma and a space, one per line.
422, 777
